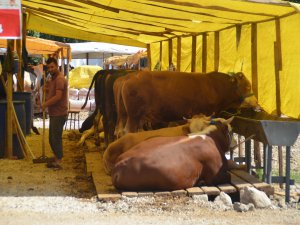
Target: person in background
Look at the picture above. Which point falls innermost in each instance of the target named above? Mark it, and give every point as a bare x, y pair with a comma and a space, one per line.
57, 104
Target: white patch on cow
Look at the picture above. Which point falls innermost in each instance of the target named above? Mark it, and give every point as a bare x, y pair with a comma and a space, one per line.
194, 135
206, 131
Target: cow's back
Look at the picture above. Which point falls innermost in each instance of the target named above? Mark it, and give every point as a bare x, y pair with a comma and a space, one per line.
169, 96
166, 163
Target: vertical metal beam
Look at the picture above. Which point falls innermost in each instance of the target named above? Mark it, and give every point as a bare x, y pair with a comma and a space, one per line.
287, 173
193, 59
178, 67
149, 56
254, 58
204, 52
269, 164
217, 51
248, 155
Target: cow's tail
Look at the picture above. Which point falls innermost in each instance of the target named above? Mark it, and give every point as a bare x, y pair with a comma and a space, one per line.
87, 95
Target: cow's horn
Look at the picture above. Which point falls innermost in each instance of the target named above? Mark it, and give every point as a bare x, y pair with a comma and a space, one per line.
228, 121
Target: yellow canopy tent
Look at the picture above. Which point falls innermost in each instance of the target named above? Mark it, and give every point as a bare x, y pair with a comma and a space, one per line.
259, 37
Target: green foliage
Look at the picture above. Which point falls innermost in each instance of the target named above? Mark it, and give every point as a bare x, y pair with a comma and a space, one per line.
297, 1
52, 37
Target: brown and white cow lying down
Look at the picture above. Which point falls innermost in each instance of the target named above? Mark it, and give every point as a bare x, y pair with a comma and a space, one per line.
164, 96
172, 163
123, 144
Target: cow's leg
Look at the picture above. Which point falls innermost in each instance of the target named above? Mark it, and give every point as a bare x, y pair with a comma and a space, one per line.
131, 125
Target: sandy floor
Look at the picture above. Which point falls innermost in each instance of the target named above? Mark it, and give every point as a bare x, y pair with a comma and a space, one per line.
33, 194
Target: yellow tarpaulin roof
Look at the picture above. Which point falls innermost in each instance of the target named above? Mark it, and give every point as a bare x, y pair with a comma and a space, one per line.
136, 22
259, 37
39, 46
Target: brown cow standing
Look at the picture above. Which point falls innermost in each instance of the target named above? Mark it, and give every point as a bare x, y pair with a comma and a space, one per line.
172, 163
163, 96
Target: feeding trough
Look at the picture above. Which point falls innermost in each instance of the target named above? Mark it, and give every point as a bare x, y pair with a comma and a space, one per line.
271, 131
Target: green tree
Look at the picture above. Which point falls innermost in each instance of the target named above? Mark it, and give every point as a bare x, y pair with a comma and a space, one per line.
52, 37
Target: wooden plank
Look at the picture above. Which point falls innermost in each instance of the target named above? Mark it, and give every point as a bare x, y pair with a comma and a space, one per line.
250, 179
103, 183
217, 51
194, 191
109, 197
238, 182
178, 66
210, 190
163, 194
227, 188
93, 162
130, 194
179, 193
145, 194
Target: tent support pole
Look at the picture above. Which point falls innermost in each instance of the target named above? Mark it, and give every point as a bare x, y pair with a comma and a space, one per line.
193, 60
178, 66
217, 51
149, 57
204, 52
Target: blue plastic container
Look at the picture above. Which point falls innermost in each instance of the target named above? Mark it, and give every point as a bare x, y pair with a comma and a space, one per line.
25, 96
20, 111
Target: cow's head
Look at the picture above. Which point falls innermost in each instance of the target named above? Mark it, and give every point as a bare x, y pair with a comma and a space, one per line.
244, 91
198, 123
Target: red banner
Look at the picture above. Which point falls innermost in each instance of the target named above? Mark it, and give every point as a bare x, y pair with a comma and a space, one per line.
10, 19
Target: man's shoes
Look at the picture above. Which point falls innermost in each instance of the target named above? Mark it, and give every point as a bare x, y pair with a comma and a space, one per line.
50, 159
54, 165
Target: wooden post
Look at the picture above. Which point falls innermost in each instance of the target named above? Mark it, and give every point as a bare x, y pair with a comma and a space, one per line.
20, 79
178, 67
238, 31
278, 67
193, 60
160, 51
204, 52
257, 155
149, 56
254, 58
217, 50
170, 51
9, 70
62, 61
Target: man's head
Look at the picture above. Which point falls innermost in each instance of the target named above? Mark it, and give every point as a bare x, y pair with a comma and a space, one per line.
52, 66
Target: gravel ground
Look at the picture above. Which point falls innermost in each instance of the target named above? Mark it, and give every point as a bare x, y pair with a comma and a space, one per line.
33, 194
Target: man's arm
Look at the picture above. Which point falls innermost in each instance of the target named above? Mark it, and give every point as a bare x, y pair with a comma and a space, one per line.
58, 95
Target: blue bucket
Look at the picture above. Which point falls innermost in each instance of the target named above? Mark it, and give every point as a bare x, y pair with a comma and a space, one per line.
25, 96
20, 111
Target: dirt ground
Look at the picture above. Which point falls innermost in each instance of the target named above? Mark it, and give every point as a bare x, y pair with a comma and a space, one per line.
33, 194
